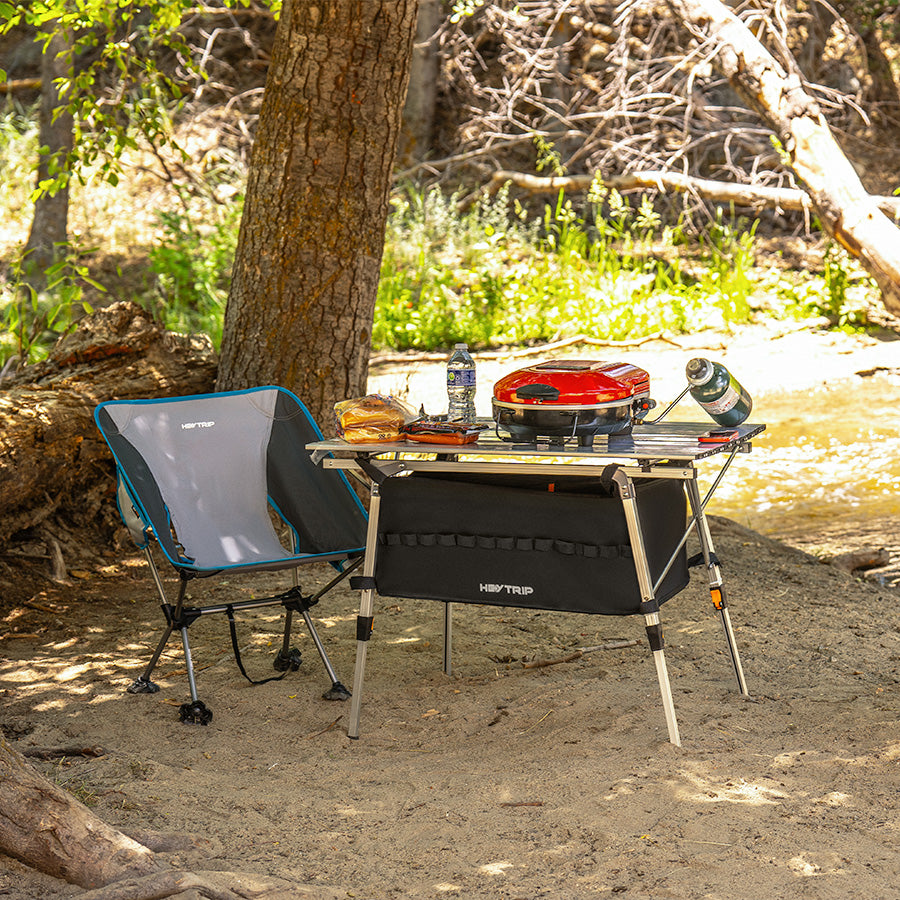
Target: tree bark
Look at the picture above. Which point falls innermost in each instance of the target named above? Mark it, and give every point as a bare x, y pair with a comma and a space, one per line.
421, 97
847, 212
46, 828
49, 227
49, 830
309, 252
50, 449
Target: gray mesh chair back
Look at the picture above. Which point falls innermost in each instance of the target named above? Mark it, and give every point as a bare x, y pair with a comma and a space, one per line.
223, 483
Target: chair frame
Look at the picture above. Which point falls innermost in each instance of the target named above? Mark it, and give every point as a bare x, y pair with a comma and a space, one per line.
179, 616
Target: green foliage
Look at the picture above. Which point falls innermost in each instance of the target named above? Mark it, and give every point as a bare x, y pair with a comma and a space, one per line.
844, 299
489, 278
33, 320
123, 41
462, 9
548, 157
192, 266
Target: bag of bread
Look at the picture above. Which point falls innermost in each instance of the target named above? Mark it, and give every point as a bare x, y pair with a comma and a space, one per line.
373, 418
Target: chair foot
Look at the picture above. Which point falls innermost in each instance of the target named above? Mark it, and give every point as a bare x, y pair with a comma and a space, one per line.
142, 685
290, 660
195, 713
336, 692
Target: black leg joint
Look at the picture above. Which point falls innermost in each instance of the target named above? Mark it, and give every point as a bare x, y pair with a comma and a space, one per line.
655, 636
362, 583
296, 601
188, 616
649, 606
364, 625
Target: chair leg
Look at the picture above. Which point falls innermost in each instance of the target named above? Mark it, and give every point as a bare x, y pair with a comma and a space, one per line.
288, 658
142, 684
337, 691
196, 712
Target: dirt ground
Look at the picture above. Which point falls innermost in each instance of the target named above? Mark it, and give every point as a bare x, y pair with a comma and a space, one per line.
500, 780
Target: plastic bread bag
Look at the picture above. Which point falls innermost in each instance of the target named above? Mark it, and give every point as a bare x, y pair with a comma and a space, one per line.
373, 418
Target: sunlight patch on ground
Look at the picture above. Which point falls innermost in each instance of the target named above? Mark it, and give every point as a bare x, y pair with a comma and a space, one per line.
813, 864
834, 798
731, 791
496, 868
892, 751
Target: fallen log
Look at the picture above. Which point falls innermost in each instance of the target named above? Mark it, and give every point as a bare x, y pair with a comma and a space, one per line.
742, 195
846, 210
51, 453
858, 560
49, 830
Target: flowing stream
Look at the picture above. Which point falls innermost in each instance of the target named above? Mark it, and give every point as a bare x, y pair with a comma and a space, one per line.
826, 472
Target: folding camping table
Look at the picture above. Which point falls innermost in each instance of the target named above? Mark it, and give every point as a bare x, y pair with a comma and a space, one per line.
669, 450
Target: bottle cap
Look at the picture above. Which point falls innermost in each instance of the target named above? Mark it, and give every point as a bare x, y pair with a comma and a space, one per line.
699, 371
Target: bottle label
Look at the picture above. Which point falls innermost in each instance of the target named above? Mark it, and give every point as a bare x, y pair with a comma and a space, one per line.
461, 378
727, 401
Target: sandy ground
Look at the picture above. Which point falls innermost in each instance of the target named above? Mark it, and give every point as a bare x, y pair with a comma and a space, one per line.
500, 780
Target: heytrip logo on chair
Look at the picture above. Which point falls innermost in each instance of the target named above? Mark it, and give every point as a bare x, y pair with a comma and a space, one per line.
520, 590
187, 425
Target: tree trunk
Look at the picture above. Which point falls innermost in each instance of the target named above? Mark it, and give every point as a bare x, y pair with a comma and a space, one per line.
49, 830
847, 212
309, 252
421, 98
49, 445
49, 227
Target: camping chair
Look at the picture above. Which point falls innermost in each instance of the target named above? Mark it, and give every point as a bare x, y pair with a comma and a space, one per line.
212, 479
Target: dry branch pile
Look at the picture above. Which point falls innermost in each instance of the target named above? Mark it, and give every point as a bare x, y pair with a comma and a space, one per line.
616, 88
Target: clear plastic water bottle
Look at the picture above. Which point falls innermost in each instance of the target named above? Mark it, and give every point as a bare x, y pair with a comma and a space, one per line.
718, 392
461, 385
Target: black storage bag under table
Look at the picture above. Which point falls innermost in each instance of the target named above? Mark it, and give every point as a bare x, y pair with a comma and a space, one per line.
526, 541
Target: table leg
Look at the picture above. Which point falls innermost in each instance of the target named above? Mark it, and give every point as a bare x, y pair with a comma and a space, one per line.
448, 638
716, 586
365, 617
648, 599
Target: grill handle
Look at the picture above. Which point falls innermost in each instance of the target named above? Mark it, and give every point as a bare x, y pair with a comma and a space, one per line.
537, 392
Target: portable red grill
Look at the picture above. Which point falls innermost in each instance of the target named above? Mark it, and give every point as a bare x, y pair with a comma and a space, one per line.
570, 398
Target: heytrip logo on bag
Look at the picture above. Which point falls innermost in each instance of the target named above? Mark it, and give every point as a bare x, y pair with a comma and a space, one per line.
187, 425
520, 590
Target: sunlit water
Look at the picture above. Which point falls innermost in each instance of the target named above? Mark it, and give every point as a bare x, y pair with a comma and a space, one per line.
829, 462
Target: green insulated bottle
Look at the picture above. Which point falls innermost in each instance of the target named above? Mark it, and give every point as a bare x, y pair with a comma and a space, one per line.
720, 394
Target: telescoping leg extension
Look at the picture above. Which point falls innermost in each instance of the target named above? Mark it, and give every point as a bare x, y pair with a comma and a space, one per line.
366, 584
649, 605
716, 587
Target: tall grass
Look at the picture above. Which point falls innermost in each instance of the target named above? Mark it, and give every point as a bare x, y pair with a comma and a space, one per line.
492, 274
492, 278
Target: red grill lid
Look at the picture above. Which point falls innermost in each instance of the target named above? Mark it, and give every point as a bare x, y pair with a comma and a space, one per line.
579, 383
